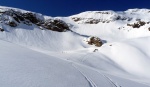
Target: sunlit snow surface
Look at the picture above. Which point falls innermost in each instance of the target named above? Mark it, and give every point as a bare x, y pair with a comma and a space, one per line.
31, 57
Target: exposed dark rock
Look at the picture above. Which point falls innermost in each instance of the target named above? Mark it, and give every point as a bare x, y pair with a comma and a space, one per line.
138, 19
92, 21
137, 24
95, 50
142, 23
129, 25
76, 19
118, 18
149, 28
95, 41
30, 18
1, 29
17, 19
101, 20
12, 24
55, 25
122, 18
27, 23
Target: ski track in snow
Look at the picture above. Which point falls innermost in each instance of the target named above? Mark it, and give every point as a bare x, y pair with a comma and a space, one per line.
85, 57
111, 81
92, 84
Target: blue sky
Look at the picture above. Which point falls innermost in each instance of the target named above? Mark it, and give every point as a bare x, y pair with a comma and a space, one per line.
70, 7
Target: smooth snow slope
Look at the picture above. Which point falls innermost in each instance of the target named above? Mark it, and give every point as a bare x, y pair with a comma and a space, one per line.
27, 68
31, 57
23, 67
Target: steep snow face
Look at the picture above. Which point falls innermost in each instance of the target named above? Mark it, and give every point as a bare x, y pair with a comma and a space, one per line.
60, 55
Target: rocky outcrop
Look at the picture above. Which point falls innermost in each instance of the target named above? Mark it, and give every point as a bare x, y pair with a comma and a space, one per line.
12, 24
95, 41
96, 21
55, 25
14, 18
89, 20
137, 24
95, 17
149, 28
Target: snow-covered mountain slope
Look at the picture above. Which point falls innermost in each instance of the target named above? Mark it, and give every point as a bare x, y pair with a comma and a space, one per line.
43, 51
27, 68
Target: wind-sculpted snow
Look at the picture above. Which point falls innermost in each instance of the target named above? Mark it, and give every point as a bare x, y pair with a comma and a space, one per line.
32, 55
